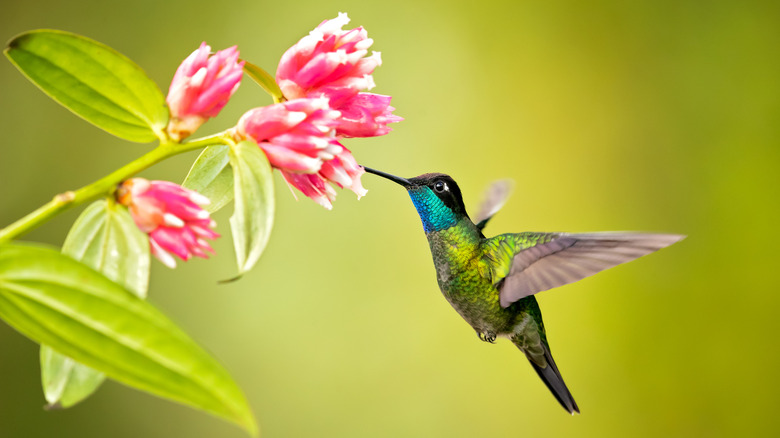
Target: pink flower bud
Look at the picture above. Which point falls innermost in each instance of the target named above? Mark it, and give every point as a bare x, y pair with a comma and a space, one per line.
296, 135
328, 62
171, 215
201, 87
366, 115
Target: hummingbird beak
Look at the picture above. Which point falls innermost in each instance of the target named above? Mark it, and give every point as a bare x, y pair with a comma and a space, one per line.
397, 179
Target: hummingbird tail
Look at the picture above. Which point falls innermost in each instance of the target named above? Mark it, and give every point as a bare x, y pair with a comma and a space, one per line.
552, 378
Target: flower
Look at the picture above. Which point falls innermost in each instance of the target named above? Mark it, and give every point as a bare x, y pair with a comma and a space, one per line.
298, 137
328, 62
295, 135
342, 170
332, 63
323, 77
171, 215
366, 115
201, 87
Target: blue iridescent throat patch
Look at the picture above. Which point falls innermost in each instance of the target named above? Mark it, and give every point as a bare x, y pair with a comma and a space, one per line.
434, 214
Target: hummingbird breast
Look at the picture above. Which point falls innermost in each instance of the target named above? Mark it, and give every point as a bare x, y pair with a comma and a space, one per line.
465, 282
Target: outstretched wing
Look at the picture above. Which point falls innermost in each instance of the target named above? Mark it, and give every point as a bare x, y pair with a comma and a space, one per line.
560, 258
494, 198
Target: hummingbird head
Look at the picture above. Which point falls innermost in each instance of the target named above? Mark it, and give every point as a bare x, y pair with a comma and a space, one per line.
436, 196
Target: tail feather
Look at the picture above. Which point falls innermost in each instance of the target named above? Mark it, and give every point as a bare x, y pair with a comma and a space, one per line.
554, 381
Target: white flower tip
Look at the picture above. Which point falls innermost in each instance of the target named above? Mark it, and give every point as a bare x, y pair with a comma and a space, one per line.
313, 38
333, 25
334, 149
319, 142
323, 201
199, 199
171, 220
295, 117
377, 57
198, 78
202, 214
364, 44
162, 255
340, 177
369, 82
340, 56
320, 103
342, 19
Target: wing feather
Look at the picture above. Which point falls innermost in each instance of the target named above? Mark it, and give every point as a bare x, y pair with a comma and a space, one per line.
571, 257
494, 198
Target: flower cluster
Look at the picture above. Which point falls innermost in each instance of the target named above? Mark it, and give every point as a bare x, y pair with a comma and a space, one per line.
171, 215
323, 77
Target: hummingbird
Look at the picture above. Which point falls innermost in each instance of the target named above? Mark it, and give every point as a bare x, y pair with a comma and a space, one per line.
491, 282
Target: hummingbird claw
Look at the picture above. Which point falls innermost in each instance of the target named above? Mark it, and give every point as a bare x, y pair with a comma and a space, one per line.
487, 337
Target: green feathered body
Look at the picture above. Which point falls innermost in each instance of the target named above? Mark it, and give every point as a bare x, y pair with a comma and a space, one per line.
467, 269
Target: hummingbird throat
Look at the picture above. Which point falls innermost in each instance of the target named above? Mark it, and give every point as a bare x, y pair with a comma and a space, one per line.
434, 214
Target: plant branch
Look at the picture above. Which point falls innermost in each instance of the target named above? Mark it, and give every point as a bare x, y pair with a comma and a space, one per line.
105, 186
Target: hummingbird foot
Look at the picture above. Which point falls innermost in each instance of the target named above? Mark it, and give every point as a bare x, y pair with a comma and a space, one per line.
487, 336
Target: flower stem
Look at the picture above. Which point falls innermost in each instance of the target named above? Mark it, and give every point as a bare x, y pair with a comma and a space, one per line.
104, 186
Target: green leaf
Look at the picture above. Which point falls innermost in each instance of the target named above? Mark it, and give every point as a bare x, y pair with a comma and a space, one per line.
265, 80
55, 300
106, 239
211, 176
65, 381
253, 215
92, 80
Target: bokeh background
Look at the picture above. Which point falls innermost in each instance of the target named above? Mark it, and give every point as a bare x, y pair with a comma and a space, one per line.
609, 115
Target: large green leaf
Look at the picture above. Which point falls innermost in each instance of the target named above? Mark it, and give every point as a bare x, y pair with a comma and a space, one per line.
106, 239
94, 81
55, 300
211, 176
253, 215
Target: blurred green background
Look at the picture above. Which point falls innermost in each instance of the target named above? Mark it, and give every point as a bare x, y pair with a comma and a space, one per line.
609, 115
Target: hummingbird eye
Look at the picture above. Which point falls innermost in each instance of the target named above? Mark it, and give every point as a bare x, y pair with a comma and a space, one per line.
440, 186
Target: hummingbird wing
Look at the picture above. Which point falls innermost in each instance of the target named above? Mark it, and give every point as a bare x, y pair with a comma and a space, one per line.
493, 199
543, 261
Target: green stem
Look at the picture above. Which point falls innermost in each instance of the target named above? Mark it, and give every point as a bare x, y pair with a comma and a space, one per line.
105, 186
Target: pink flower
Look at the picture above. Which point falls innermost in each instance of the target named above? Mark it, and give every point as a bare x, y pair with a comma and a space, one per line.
332, 63
366, 115
296, 135
342, 170
298, 138
171, 215
328, 62
201, 87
